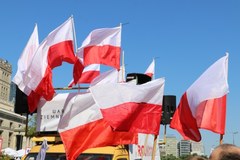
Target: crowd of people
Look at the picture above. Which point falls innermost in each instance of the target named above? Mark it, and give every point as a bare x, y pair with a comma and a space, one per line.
222, 152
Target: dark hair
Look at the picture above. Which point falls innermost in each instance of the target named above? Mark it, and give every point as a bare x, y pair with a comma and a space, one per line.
230, 156
196, 158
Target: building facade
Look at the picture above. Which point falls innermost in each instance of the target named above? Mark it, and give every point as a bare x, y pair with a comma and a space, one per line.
184, 147
168, 146
197, 148
12, 125
171, 146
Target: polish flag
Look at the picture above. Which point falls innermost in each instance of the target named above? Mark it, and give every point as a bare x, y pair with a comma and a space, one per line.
25, 60
82, 126
88, 74
129, 107
102, 46
111, 76
203, 105
150, 70
55, 49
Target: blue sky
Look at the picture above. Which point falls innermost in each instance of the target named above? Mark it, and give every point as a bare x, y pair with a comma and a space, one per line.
185, 37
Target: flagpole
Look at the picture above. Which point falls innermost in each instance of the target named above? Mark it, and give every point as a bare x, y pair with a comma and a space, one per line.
123, 65
154, 147
154, 69
75, 42
165, 133
74, 34
221, 139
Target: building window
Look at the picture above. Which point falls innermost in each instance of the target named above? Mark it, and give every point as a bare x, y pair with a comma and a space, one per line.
1, 122
11, 124
10, 139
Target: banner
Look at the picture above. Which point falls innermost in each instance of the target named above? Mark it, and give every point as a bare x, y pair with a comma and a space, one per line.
144, 149
50, 112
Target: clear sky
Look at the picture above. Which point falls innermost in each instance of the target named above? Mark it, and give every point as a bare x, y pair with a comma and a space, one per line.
185, 37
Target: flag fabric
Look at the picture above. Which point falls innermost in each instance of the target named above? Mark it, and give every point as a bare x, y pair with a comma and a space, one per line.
55, 49
25, 60
129, 107
42, 153
88, 74
111, 76
102, 46
82, 126
203, 105
151, 69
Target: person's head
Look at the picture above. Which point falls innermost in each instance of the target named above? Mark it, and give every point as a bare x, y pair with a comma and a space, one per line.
196, 158
225, 152
231, 156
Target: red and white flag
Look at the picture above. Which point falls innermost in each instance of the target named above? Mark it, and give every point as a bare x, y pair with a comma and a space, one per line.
130, 107
56, 48
82, 126
111, 76
102, 46
151, 69
88, 74
25, 60
203, 105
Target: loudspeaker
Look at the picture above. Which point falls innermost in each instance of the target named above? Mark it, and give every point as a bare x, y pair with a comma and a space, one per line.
138, 77
168, 108
21, 103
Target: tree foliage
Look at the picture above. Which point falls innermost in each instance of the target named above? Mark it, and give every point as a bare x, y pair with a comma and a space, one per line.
32, 125
171, 157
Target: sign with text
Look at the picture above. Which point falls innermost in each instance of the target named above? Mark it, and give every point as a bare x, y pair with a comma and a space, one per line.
50, 112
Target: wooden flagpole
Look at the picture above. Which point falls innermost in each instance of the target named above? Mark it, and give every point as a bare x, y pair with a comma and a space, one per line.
154, 147
165, 133
221, 139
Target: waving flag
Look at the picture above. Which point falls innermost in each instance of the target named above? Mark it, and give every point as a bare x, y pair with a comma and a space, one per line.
150, 70
55, 49
82, 126
203, 105
102, 46
130, 107
88, 74
25, 60
111, 76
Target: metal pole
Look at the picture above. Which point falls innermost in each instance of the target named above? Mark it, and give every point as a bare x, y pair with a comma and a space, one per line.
68, 88
233, 138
